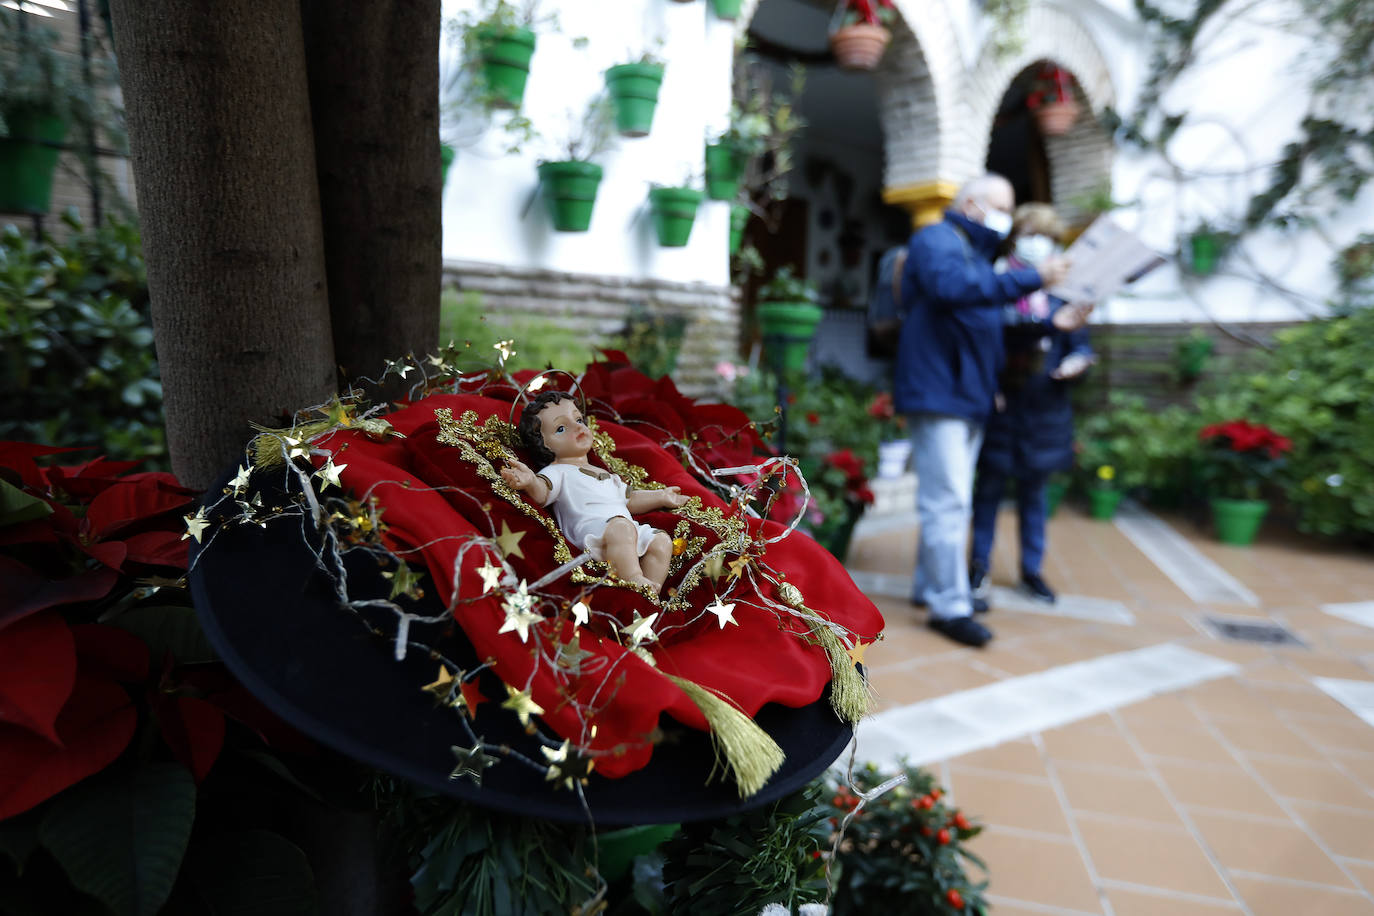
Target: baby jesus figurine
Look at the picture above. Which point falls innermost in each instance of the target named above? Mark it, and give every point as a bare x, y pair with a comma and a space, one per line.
593, 506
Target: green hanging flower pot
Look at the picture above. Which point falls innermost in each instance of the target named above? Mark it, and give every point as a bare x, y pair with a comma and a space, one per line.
505, 55
739, 218
634, 91
724, 165
787, 329
1204, 250
1238, 520
446, 154
674, 211
28, 159
569, 192
1102, 503
727, 9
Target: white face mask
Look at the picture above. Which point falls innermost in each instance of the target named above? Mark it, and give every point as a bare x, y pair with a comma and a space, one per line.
1034, 248
997, 221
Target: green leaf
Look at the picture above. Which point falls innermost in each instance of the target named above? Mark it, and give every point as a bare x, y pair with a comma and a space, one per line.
253, 873
122, 840
18, 838
17, 506
274, 765
168, 629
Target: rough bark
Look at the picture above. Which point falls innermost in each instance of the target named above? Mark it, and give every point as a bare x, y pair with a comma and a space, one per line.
374, 76
219, 127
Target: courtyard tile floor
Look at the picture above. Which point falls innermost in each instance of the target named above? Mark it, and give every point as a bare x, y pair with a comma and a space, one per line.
1133, 762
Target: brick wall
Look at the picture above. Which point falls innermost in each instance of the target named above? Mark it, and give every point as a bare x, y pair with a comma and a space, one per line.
598, 306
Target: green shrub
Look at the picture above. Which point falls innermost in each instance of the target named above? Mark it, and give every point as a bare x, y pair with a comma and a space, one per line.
539, 343
77, 366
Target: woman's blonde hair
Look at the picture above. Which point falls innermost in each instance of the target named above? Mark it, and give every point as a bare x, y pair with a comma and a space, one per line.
1037, 219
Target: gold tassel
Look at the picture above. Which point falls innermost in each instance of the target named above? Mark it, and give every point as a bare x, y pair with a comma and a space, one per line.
848, 692
270, 448
749, 751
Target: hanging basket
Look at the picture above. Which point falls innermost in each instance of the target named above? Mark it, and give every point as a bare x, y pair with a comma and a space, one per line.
727, 9
1204, 249
446, 154
674, 211
1057, 118
28, 158
634, 91
506, 57
787, 329
859, 46
569, 191
739, 218
724, 165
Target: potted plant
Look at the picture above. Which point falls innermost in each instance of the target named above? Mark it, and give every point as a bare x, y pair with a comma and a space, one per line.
569, 184
1206, 244
499, 40
674, 211
839, 487
752, 124
42, 95
634, 89
727, 9
1192, 353
1104, 495
739, 218
863, 36
1052, 101
788, 315
1240, 458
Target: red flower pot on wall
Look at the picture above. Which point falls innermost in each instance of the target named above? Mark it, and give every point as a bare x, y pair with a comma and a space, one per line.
859, 46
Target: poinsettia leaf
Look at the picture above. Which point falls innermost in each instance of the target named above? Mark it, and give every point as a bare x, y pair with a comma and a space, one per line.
28, 591
17, 506
126, 503
194, 730
253, 873
110, 652
109, 553
159, 548
37, 673
122, 840
20, 455
168, 629
95, 726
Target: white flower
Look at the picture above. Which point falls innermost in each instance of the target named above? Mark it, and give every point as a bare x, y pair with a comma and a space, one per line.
1335, 480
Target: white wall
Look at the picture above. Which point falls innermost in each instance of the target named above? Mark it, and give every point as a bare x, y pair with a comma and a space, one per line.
491, 212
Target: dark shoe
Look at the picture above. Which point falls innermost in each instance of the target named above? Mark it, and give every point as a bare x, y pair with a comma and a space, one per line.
1035, 586
964, 630
978, 584
980, 605
919, 602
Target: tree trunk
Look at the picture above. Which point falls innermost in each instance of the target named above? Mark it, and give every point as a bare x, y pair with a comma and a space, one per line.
224, 162
374, 77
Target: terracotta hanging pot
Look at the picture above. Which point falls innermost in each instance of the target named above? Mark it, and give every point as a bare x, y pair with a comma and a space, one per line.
1056, 118
859, 46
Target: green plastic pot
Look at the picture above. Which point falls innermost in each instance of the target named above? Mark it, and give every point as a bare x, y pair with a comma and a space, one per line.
739, 218
1054, 495
674, 210
569, 192
506, 57
617, 848
727, 9
1238, 520
787, 329
1102, 503
634, 91
446, 154
1204, 248
723, 168
1192, 356
28, 158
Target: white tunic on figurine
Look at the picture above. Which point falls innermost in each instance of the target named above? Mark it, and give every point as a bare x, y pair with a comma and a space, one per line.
583, 500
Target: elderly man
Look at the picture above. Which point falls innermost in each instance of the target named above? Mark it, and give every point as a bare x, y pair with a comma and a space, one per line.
948, 361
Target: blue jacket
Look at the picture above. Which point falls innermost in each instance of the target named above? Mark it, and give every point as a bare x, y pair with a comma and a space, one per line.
1034, 434
951, 345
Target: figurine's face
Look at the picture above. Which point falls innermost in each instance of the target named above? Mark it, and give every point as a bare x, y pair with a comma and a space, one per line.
565, 432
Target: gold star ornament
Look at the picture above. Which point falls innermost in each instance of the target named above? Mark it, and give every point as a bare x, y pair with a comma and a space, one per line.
491, 576
522, 704
471, 762
196, 525
509, 541
725, 613
329, 474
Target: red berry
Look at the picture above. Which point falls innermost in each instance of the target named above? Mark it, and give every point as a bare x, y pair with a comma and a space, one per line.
942, 837
925, 803
926, 831
936, 794
960, 821
955, 899
815, 853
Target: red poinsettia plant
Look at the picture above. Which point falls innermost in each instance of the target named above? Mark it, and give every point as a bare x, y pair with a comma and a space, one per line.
869, 12
113, 708
1240, 457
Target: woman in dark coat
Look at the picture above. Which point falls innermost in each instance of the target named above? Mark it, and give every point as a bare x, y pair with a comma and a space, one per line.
1030, 436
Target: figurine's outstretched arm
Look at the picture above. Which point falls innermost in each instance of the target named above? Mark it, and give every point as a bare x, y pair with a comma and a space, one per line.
518, 475
647, 500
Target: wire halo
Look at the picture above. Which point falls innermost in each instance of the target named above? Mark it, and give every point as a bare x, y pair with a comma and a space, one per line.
523, 393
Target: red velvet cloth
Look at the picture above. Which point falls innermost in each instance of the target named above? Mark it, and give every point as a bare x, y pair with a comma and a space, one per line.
765, 659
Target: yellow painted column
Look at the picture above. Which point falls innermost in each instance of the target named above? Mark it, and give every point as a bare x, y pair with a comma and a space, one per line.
926, 201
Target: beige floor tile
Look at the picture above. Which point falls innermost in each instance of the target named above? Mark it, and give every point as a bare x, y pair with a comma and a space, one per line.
1078, 745
1275, 671
1302, 702
1005, 906
1337, 734
1346, 832
1270, 898
1228, 788
1227, 698
1118, 793
1364, 874
1170, 710
1155, 856
1313, 782
1021, 757
1358, 766
1328, 665
902, 687
1013, 661
1138, 903
1265, 736
1036, 870
1008, 801
1179, 742
1241, 844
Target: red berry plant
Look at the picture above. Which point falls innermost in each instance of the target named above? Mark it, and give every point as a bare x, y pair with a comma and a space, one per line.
902, 851
1241, 457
